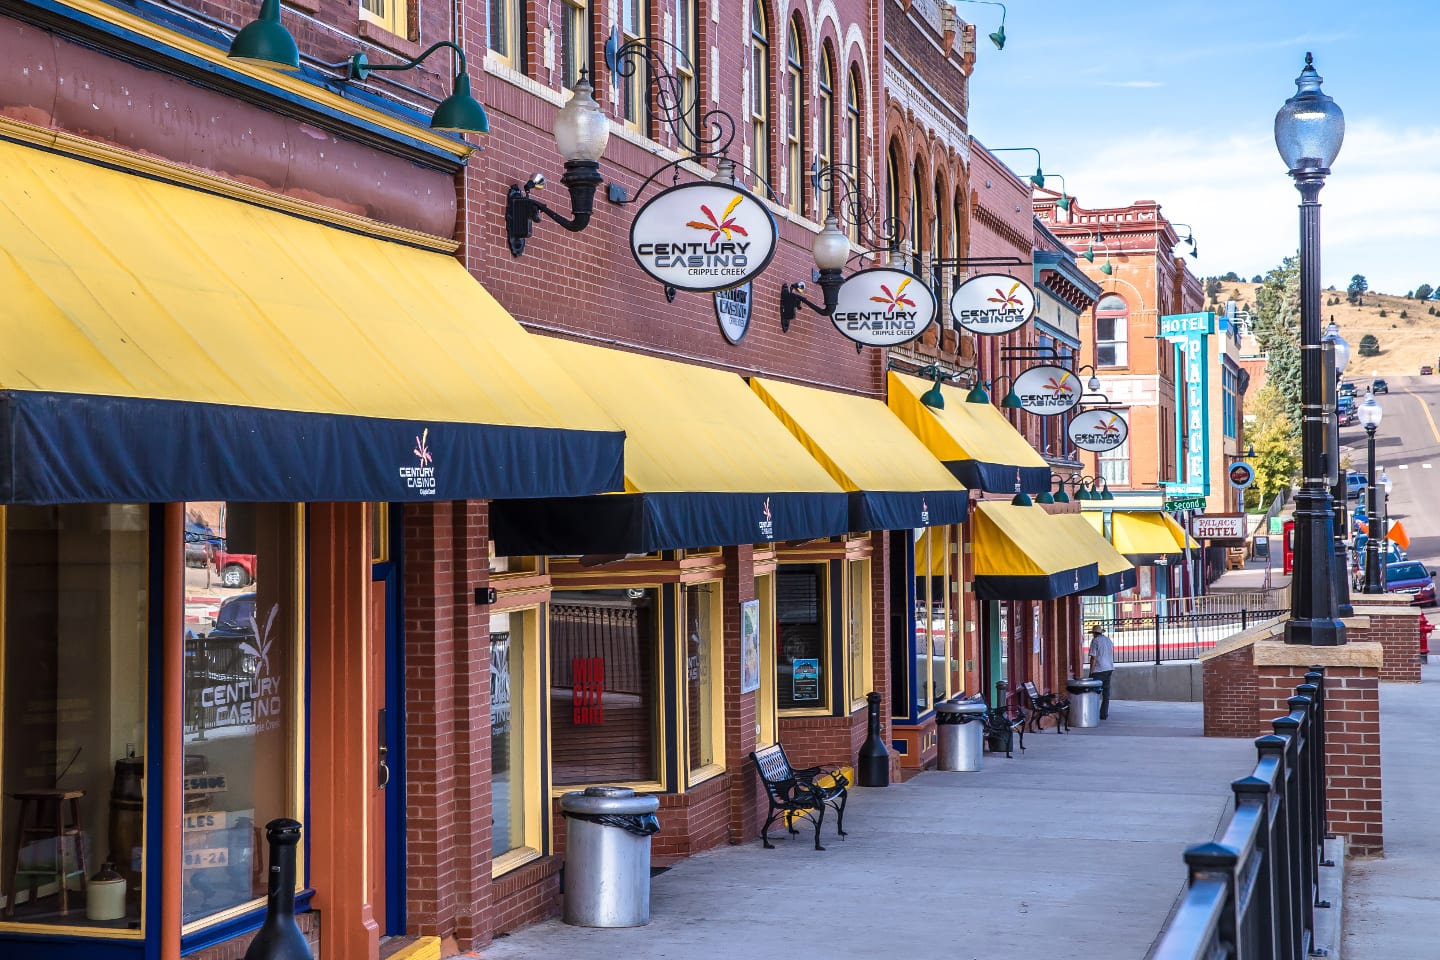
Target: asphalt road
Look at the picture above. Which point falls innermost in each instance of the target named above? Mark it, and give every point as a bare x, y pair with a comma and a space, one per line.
1407, 447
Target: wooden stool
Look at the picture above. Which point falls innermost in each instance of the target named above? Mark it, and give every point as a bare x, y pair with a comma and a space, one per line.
43, 817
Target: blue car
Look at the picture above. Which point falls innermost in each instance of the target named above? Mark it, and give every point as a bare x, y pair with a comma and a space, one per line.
1355, 484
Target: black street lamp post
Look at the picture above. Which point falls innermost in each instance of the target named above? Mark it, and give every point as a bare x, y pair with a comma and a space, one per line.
1370, 414
1308, 132
1338, 351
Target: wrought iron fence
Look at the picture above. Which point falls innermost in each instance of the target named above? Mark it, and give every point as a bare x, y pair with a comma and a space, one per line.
1178, 628
1254, 892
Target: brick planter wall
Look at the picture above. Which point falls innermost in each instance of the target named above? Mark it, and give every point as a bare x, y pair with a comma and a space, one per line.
1352, 728
1395, 625
1228, 682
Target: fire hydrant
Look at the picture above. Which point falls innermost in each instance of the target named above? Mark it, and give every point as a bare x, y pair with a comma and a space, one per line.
1425, 627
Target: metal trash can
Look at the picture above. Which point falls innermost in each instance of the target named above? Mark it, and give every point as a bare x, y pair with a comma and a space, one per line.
607, 856
960, 728
1084, 702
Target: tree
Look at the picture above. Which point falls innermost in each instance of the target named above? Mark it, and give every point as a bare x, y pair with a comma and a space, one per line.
1369, 346
1358, 286
1424, 292
1257, 279
1277, 332
1277, 451
1212, 290
1232, 276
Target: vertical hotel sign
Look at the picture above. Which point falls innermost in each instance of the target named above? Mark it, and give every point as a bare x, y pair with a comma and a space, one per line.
1190, 333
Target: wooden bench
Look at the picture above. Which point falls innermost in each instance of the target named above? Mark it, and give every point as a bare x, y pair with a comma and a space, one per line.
799, 793
1044, 705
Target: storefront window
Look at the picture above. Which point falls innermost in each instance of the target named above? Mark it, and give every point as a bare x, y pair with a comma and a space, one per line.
932, 615
703, 692
514, 734
73, 693
802, 668
602, 686
857, 634
242, 690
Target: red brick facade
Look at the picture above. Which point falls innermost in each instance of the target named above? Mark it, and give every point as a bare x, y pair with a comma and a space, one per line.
1395, 625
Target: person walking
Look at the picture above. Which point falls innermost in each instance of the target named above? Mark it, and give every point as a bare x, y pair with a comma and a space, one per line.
1102, 665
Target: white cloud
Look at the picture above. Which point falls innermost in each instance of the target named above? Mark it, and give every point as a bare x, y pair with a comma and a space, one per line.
1236, 194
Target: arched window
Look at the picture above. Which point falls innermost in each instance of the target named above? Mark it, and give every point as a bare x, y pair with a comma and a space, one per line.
937, 252
794, 120
760, 94
892, 186
917, 228
1112, 343
825, 149
852, 137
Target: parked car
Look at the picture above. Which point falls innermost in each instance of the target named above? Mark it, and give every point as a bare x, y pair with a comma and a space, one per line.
1392, 554
234, 619
1426, 370
235, 569
1411, 578
1348, 416
1379, 386
1355, 484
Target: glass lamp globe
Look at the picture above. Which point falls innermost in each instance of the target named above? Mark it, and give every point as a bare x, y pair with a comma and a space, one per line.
1342, 347
1310, 126
1370, 412
1386, 483
581, 128
831, 247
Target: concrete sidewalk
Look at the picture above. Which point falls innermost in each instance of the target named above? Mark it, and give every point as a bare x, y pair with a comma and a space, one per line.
1392, 905
1074, 846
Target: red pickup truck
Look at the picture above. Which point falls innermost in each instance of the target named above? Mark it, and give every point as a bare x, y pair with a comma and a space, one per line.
235, 569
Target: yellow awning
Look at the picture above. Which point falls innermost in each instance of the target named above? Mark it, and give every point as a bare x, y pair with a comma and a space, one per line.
895, 483
1178, 532
706, 464
198, 347
974, 440
1116, 573
1023, 553
1141, 536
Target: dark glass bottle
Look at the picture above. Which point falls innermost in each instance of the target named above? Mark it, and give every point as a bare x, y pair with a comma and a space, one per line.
280, 937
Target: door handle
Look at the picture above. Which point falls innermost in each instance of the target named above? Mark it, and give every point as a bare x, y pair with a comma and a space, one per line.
382, 775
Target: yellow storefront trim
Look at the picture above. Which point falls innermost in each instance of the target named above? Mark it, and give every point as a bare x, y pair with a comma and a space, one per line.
1011, 541
423, 948
109, 13
1135, 533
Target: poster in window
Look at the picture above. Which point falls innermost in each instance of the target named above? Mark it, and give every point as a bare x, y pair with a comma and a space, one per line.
750, 646
805, 680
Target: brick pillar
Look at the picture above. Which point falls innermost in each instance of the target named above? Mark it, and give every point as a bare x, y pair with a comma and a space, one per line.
1352, 727
1390, 620
740, 708
1231, 701
430, 854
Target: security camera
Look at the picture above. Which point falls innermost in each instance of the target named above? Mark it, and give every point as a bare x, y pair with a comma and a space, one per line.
798, 286
536, 182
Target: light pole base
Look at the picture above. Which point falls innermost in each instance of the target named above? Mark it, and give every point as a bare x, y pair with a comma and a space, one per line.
1315, 633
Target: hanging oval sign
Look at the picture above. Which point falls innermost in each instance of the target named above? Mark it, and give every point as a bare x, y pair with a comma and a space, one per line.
732, 311
1098, 431
1048, 390
703, 236
882, 307
992, 304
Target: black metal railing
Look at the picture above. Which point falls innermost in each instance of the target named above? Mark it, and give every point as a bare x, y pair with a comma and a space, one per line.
1176, 629
1254, 892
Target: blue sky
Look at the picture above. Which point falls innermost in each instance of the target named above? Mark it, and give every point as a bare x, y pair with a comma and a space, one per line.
1175, 100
